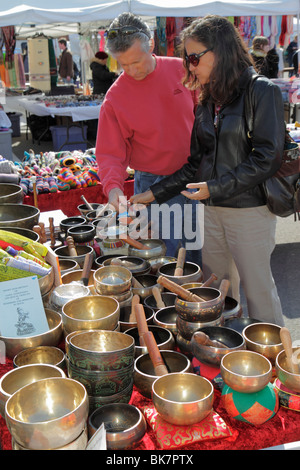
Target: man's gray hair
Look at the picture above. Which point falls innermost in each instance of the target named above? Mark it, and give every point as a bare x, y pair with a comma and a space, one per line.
122, 43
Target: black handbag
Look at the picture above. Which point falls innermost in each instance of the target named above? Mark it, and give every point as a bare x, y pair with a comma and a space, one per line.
282, 190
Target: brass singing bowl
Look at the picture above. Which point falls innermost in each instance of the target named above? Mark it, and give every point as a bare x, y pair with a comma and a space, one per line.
102, 383
101, 350
126, 323
191, 273
93, 312
147, 281
24, 375
18, 215
168, 299
11, 193
166, 318
49, 413
144, 373
289, 379
121, 397
40, 355
188, 328
263, 338
135, 264
124, 424
183, 399
213, 355
155, 248
232, 308
246, 371
156, 263
76, 275
82, 250
239, 323
163, 337
63, 293
46, 282
69, 222
183, 344
67, 265
110, 280
80, 443
208, 310
84, 209
25, 232
82, 233
51, 337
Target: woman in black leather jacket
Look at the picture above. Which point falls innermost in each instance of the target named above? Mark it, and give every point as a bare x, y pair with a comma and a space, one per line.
226, 168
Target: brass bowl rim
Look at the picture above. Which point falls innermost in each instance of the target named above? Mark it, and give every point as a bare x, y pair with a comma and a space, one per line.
58, 350
248, 352
89, 228
41, 334
34, 214
204, 303
291, 374
255, 342
165, 330
177, 353
87, 297
141, 418
109, 269
68, 273
188, 375
33, 385
184, 275
87, 332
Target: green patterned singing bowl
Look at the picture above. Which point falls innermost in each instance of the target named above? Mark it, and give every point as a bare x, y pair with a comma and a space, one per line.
101, 350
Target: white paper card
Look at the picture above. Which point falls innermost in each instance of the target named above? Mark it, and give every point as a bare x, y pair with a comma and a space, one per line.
98, 440
22, 311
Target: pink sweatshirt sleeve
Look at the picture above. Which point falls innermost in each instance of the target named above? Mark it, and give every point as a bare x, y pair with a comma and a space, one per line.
111, 150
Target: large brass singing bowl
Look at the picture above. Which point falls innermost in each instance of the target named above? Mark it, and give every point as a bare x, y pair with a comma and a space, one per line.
144, 373
246, 371
110, 280
124, 424
188, 328
82, 251
208, 310
211, 355
168, 299
40, 355
25, 232
50, 338
183, 399
93, 312
79, 443
191, 273
154, 249
21, 376
18, 215
163, 338
263, 338
47, 414
102, 383
101, 350
289, 379
11, 193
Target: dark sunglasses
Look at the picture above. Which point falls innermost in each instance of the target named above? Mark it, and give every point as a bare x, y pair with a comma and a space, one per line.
124, 31
194, 59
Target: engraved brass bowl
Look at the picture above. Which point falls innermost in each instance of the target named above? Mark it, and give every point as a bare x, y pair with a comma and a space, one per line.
144, 374
166, 318
191, 273
155, 249
93, 312
101, 350
40, 355
18, 215
49, 413
168, 299
11, 193
188, 328
50, 338
213, 355
121, 397
124, 424
289, 379
263, 338
163, 337
183, 399
17, 378
125, 313
79, 443
110, 280
208, 310
246, 371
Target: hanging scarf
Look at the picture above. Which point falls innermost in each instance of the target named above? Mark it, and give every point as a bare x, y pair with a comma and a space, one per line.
10, 42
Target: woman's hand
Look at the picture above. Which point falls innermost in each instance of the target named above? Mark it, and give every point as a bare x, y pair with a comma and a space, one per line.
202, 193
143, 198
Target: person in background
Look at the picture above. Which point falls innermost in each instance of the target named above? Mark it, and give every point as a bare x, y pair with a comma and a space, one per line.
266, 60
226, 167
66, 67
290, 50
145, 123
102, 77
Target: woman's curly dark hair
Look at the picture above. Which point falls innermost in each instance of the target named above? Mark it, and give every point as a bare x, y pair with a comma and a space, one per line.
231, 57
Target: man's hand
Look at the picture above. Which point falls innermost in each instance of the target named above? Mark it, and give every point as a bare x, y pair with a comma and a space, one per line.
115, 197
143, 198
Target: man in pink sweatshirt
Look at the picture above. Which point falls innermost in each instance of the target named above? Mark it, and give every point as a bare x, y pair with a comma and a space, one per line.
145, 123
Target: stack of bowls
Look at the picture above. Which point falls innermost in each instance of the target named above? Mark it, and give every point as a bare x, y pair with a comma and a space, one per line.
116, 282
103, 362
49, 414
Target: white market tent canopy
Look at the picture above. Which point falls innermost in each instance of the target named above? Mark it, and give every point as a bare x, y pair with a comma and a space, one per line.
37, 14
